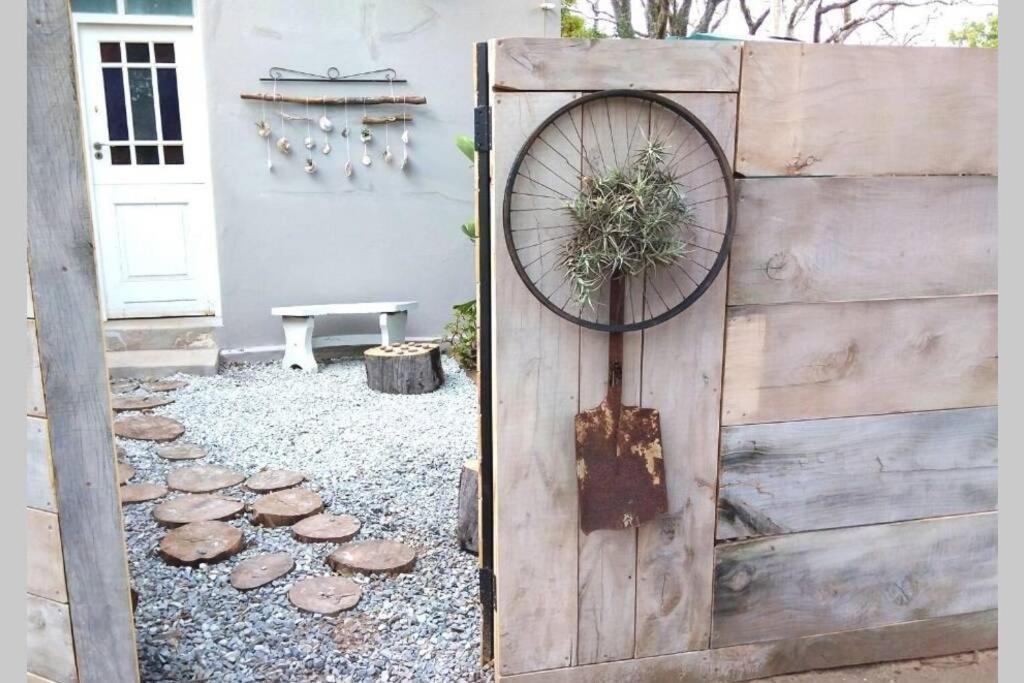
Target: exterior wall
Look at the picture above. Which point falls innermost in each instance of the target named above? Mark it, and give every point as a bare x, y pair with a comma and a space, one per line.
287, 238
828, 407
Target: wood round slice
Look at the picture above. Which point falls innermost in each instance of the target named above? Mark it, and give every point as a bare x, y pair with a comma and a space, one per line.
140, 493
148, 428
369, 557
124, 472
325, 594
122, 454
132, 402
326, 528
260, 570
284, 508
274, 480
203, 478
164, 385
404, 369
201, 507
123, 386
181, 451
201, 542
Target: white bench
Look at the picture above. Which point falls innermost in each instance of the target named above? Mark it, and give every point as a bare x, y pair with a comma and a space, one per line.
298, 328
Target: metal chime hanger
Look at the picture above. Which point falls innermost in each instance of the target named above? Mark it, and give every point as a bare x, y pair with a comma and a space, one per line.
333, 75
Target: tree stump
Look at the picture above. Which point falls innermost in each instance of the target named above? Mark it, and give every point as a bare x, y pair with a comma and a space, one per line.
406, 368
201, 542
466, 523
285, 508
373, 557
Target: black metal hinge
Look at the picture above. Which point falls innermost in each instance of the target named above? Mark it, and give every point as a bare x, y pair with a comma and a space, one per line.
482, 128
488, 589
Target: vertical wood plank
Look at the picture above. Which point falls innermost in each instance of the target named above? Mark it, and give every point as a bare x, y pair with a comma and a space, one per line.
51, 653
45, 559
536, 356
61, 261
40, 490
682, 380
35, 405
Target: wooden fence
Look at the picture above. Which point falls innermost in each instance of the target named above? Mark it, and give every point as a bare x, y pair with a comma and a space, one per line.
828, 406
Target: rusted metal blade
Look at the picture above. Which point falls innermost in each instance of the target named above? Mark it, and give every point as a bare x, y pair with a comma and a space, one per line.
620, 471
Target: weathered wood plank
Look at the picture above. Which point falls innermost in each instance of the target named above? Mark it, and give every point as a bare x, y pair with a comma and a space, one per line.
50, 650
536, 357
805, 361
820, 474
909, 640
32, 678
35, 405
866, 110
40, 487
861, 577
45, 576
572, 64
682, 379
61, 260
854, 239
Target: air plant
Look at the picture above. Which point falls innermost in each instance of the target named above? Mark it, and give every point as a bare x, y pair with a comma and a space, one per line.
631, 221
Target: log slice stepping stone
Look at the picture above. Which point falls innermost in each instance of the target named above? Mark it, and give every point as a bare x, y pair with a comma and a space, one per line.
201, 507
164, 385
181, 451
203, 478
201, 542
325, 594
370, 557
326, 528
274, 480
124, 472
140, 493
122, 402
123, 386
285, 508
122, 454
260, 570
148, 428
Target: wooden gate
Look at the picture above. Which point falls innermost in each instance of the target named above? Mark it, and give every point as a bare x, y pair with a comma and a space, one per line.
827, 406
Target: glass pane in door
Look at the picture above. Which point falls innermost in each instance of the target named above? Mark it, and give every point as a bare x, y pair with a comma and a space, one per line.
174, 7
113, 93
140, 86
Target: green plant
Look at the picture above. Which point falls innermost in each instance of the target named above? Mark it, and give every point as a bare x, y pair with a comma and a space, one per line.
625, 222
461, 334
977, 33
573, 24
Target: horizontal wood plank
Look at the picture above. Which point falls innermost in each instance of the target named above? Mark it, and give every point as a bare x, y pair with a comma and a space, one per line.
656, 65
45, 576
50, 650
866, 110
40, 491
855, 239
819, 474
862, 577
805, 361
925, 638
35, 405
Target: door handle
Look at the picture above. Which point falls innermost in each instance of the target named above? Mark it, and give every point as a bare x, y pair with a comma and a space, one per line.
98, 147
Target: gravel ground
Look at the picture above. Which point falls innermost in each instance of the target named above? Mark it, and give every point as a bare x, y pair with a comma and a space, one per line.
391, 461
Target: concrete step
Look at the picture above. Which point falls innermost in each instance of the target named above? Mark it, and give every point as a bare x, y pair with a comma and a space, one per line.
156, 363
141, 334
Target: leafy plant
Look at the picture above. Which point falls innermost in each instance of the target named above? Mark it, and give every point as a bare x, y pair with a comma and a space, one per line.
977, 33
461, 334
573, 24
626, 222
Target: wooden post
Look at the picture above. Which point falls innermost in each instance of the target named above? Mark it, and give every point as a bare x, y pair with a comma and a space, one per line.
63, 274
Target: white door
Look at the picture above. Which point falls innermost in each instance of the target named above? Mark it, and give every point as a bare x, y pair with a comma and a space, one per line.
147, 139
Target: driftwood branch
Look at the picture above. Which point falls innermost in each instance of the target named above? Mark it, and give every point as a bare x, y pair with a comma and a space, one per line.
389, 118
377, 99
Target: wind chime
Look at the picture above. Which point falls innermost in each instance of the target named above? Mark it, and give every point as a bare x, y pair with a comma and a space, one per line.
324, 123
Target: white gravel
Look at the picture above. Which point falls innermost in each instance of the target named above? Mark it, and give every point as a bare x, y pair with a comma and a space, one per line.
391, 461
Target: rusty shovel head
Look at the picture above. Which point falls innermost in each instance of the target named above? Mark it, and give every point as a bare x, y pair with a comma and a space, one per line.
620, 471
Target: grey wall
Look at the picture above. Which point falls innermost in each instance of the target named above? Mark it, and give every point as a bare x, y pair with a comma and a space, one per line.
289, 238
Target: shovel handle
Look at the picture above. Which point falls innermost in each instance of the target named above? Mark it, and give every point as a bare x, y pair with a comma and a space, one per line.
616, 315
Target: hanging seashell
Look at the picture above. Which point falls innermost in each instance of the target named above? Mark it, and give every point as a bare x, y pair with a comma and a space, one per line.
263, 128
366, 159
270, 165
405, 160
365, 134
348, 168
326, 149
344, 132
309, 142
284, 146
405, 136
310, 166
387, 154
325, 124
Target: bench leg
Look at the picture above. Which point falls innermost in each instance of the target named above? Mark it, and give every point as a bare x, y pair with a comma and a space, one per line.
298, 343
392, 328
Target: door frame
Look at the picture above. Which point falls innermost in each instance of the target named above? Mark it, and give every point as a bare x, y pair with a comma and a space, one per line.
148, 21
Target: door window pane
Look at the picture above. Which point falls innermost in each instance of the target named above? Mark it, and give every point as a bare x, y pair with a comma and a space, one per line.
170, 116
137, 52
121, 155
99, 6
113, 92
147, 154
176, 7
140, 86
164, 52
110, 52
174, 154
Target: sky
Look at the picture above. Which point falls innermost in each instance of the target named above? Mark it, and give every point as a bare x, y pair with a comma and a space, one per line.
915, 26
